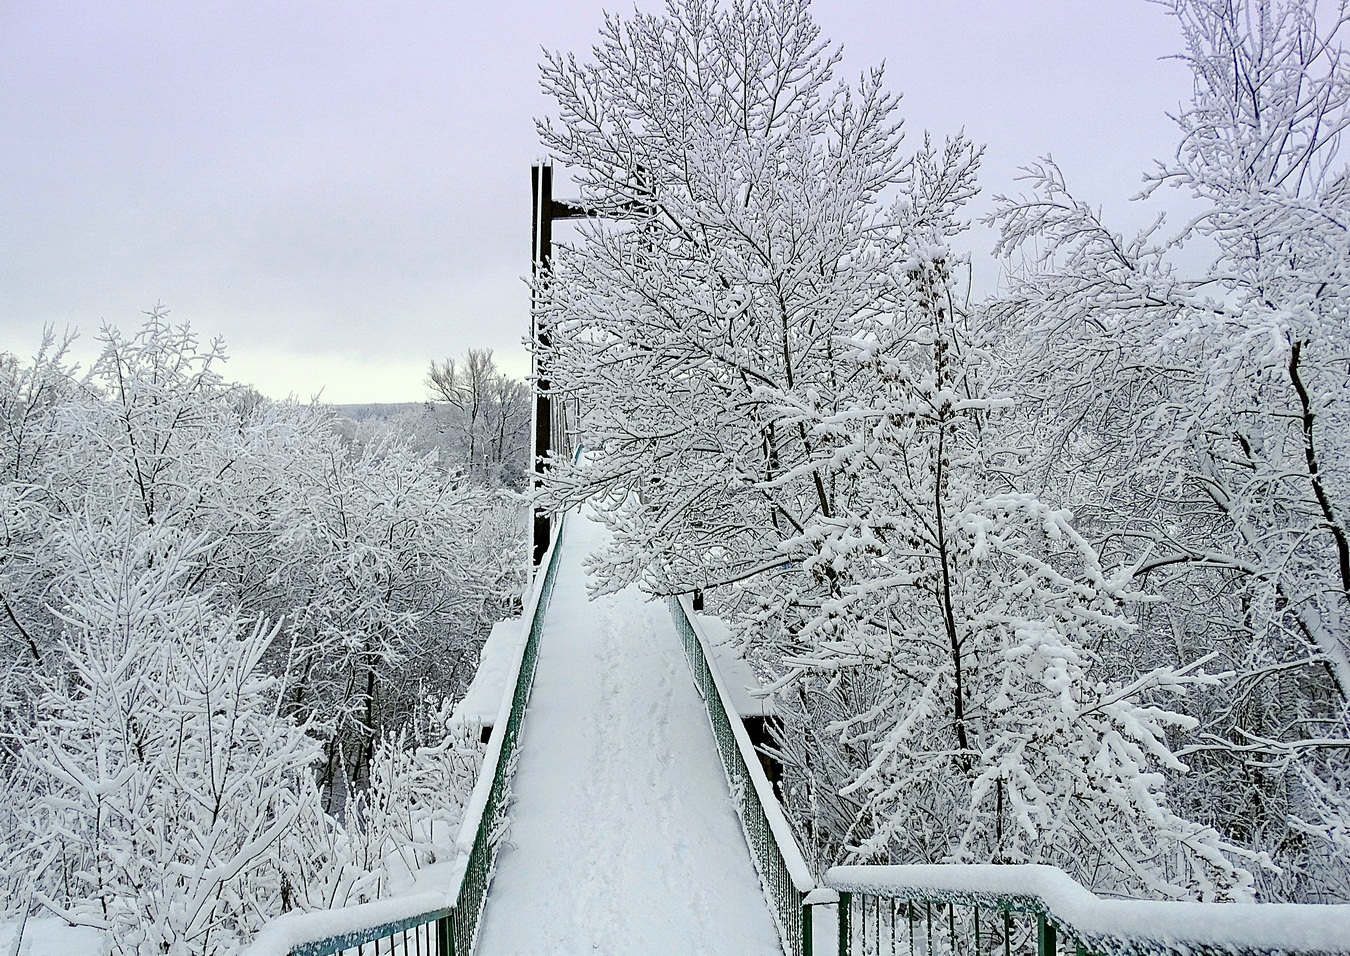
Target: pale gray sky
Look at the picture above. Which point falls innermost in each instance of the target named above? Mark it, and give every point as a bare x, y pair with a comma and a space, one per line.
340, 189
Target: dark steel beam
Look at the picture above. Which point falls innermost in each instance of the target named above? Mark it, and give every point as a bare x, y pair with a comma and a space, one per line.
541, 243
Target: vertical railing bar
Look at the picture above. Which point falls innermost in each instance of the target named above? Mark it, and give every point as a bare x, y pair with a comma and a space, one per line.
845, 910
1045, 936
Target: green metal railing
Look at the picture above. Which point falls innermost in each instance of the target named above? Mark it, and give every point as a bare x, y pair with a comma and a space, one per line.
483, 853
922, 925
938, 910
787, 880
453, 929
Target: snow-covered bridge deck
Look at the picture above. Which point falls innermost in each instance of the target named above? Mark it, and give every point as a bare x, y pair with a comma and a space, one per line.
623, 836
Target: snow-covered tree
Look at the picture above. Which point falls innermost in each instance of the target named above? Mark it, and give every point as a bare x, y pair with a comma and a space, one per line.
167, 774
214, 611
489, 421
741, 189
779, 393
1196, 421
995, 732
387, 570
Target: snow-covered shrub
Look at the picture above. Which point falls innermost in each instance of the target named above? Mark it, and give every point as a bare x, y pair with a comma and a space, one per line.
167, 774
409, 817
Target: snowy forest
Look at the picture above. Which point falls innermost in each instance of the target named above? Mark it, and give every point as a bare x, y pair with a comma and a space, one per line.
1055, 574
233, 630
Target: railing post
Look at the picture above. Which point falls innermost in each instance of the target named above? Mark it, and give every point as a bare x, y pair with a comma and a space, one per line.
1045, 936
808, 941
845, 906
445, 936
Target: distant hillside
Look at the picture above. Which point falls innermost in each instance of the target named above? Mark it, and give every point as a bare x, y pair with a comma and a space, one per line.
382, 410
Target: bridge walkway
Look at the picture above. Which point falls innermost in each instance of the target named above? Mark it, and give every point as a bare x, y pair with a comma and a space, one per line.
623, 838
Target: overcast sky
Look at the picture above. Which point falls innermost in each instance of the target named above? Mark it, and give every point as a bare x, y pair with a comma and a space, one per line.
340, 189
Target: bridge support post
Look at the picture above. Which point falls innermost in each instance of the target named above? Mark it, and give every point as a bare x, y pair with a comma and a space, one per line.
541, 248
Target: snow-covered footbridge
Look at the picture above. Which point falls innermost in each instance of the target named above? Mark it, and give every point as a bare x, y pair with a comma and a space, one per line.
623, 836
622, 809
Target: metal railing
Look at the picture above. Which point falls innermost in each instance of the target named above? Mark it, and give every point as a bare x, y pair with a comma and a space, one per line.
949, 910
788, 882
873, 924
416, 926
415, 936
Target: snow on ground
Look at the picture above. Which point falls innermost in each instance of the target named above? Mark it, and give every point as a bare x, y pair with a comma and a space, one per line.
48, 936
623, 838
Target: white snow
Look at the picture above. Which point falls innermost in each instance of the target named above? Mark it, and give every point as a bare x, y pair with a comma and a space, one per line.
744, 688
623, 837
1287, 927
496, 669
50, 936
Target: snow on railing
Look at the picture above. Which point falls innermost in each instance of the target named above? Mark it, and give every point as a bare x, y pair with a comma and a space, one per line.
787, 880
985, 910
439, 923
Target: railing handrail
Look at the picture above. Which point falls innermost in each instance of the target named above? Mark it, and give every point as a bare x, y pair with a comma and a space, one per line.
1104, 925
788, 883
320, 932
482, 788
802, 877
